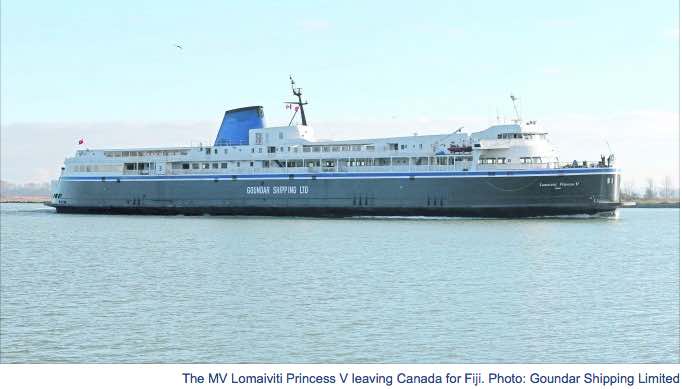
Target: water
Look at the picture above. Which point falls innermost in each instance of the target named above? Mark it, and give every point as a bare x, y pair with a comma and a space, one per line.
84, 288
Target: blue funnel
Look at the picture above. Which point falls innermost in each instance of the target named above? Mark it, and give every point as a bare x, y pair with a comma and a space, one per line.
236, 125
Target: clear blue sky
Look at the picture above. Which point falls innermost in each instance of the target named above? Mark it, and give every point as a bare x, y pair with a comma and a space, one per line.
574, 62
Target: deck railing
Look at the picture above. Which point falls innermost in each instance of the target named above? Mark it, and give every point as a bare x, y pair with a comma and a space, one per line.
458, 166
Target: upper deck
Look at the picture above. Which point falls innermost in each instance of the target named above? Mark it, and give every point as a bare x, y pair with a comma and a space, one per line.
293, 149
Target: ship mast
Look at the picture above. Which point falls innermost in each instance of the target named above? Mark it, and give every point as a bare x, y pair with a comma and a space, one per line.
298, 93
518, 117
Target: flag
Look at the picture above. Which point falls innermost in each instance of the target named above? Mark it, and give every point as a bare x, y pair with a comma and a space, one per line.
81, 141
296, 109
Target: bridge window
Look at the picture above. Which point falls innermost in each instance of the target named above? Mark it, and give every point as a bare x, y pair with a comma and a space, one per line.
223, 165
215, 165
195, 166
185, 166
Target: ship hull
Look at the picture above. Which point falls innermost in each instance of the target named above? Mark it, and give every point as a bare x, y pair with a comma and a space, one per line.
471, 194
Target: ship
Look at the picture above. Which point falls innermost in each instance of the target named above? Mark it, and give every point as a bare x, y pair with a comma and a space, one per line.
507, 170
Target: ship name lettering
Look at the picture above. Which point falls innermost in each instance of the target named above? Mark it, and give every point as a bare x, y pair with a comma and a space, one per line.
276, 190
257, 190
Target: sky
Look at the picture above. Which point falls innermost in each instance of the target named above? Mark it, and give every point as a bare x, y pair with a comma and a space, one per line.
599, 76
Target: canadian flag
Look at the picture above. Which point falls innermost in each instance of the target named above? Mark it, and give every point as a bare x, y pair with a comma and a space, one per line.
81, 141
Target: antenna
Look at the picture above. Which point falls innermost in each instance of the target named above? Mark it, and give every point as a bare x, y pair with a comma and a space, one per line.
298, 93
518, 117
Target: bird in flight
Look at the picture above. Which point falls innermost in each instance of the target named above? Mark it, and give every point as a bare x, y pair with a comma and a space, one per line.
178, 46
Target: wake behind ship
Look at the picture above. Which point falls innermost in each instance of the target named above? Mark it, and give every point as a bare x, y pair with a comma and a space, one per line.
507, 170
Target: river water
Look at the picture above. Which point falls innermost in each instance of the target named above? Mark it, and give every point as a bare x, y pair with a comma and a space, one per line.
89, 288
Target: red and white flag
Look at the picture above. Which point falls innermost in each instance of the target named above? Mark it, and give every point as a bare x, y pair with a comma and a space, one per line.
81, 141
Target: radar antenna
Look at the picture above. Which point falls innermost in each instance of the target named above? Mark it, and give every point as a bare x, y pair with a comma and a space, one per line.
518, 117
298, 93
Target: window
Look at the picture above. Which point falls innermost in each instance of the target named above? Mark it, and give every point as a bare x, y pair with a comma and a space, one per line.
281, 135
215, 151
238, 164
195, 166
185, 166
131, 166
259, 138
215, 165
251, 163
223, 165
208, 150
205, 165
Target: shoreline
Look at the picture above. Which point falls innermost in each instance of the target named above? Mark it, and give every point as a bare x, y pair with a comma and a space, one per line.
654, 205
24, 199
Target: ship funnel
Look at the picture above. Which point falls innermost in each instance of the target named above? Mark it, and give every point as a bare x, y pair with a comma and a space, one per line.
236, 124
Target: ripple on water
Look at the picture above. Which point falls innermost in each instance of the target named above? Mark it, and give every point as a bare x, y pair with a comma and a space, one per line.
88, 288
